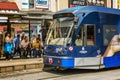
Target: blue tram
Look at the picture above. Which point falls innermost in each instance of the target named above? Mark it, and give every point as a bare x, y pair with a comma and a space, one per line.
84, 37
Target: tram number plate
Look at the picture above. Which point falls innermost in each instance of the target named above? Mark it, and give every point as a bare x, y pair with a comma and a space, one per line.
50, 60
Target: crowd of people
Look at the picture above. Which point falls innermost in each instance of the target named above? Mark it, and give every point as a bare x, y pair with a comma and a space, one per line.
22, 46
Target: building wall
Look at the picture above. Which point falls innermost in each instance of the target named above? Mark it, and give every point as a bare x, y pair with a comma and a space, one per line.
109, 3
18, 2
115, 4
11, 0
56, 5
112, 3
22, 4
52, 5
118, 4
62, 4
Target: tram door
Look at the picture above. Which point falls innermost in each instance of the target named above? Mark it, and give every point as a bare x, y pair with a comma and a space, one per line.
86, 41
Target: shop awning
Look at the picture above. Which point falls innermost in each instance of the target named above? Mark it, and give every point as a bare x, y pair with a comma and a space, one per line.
8, 6
37, 18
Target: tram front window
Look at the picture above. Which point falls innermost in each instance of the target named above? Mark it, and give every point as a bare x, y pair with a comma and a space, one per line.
61, 31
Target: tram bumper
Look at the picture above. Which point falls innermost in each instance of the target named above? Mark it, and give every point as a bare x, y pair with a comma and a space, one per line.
72, 63
89, 63
64, 62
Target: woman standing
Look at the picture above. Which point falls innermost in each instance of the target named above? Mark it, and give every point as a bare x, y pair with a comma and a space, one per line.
8, 46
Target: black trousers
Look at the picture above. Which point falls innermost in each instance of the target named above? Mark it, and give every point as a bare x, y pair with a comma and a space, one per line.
8, 56
17, 50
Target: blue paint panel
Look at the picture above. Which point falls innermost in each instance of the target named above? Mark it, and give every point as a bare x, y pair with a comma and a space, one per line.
61, 62
68, 63
113, 61
55, 61
91, 51
90, 9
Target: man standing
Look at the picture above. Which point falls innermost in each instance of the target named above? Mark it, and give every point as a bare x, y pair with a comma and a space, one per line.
16, 43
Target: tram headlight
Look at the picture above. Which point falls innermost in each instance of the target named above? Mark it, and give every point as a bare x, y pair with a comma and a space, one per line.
59, 50
45, 48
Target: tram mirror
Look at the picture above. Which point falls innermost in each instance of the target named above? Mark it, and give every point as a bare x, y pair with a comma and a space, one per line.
78, 36
75, 19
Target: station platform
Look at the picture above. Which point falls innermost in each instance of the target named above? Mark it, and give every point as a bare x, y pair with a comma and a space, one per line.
20, 64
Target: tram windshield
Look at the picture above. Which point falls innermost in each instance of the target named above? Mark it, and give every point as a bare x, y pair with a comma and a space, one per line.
61, 31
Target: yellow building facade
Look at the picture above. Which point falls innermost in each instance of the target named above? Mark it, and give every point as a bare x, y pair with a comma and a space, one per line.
54, 5
11, 0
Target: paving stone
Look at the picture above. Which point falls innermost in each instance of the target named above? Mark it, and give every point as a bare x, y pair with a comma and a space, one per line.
20, 64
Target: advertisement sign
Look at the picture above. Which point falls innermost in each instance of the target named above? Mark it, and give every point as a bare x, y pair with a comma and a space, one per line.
113, 47
41, 4
74, 3
25, 4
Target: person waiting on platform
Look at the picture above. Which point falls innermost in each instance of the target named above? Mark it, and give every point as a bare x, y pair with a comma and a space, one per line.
24, 45
8, 46
30, 49
16, 45
37, 48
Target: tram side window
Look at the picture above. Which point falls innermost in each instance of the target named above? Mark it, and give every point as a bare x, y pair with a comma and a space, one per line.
90, 35
86, 36
109, 32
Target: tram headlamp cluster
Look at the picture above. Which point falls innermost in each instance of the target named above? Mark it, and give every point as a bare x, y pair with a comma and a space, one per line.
59, 49
45, 47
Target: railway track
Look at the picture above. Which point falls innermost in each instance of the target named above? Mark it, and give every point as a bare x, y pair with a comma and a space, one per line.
63, 75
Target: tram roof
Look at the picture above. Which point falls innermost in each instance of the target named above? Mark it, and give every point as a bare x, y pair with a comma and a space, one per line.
89, 9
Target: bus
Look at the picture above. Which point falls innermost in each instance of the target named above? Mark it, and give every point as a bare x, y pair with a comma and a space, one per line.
84, 37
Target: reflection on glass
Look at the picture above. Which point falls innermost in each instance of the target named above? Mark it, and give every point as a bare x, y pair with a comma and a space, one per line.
61, 31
